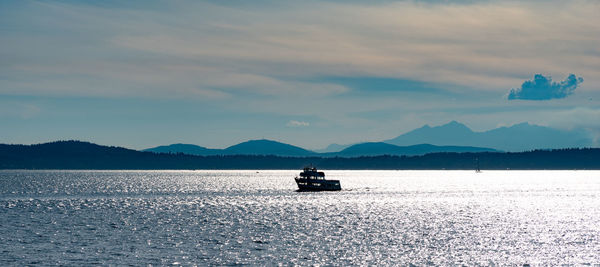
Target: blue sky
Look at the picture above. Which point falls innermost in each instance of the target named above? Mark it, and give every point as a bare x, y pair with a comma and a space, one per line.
310, 73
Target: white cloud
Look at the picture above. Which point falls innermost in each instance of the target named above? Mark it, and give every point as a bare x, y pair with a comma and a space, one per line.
294, 123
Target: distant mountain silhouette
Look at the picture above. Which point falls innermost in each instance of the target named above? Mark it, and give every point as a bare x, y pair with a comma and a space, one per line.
85, 155
332, 148
519, 137
380, 148
252, 147
69, 155
185, 149
450, 137
267, 147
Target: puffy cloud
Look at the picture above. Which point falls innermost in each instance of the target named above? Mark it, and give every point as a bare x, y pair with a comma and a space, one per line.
294, 123
542, 88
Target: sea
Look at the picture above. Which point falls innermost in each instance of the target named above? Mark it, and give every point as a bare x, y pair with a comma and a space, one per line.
257, 218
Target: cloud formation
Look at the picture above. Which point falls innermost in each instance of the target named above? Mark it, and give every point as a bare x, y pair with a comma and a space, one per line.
542, 88
228, 49
294, 123
357, 71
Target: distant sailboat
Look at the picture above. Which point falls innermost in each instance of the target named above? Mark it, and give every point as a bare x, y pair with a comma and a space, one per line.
477, 169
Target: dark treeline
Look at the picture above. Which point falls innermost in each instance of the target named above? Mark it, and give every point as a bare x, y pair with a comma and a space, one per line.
83, 155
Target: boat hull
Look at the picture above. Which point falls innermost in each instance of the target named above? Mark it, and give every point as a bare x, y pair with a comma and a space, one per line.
305, 184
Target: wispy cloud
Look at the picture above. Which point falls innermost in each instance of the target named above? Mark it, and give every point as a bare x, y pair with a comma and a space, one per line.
270, 50
543, 88
294, 123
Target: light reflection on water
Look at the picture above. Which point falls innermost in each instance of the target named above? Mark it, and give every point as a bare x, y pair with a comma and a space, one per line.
257, 218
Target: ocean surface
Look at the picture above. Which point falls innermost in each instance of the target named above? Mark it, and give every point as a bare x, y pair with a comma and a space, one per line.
257, 218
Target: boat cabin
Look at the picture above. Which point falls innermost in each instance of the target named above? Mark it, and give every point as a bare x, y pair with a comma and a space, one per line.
312, 173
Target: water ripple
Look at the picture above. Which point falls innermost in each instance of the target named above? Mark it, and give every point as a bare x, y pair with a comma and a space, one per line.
249, 218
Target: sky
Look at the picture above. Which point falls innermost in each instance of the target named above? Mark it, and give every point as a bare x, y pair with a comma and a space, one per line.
310, 73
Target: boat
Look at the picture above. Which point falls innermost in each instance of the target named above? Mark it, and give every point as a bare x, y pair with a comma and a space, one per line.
312, 180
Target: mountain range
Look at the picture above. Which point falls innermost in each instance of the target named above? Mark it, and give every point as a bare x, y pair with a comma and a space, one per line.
252, 147
269, 147
67, 155
519, 137
450, 137
380, 148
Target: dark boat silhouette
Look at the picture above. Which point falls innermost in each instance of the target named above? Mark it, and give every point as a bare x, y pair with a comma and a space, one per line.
312, 180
